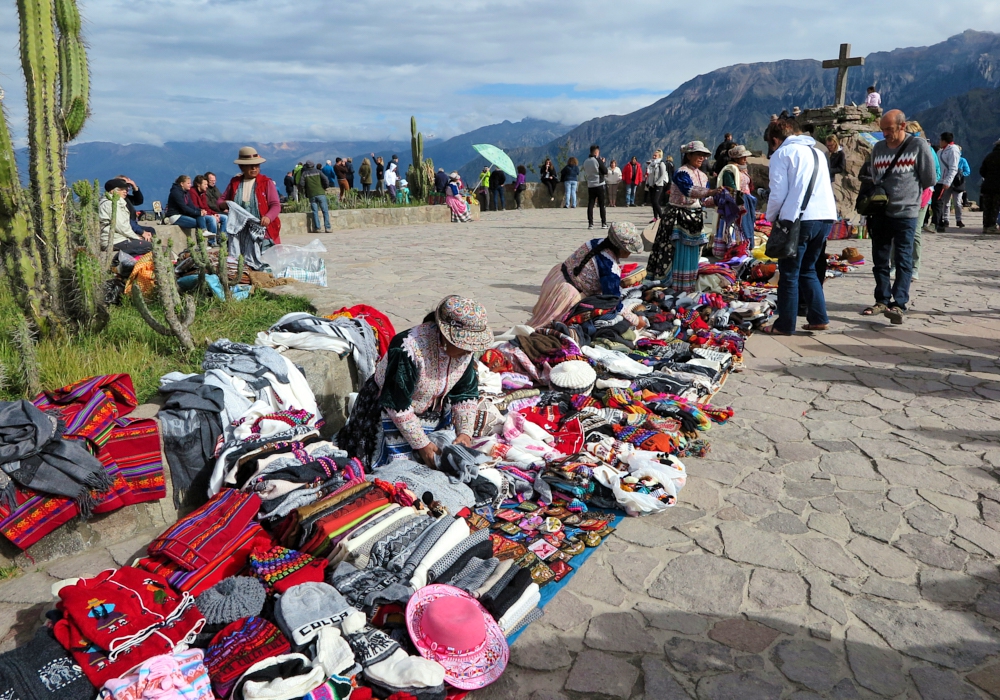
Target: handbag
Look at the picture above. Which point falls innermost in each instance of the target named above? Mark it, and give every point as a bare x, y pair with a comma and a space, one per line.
872, 197
784, 239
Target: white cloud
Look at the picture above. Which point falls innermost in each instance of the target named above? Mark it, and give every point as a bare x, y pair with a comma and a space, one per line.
275, 70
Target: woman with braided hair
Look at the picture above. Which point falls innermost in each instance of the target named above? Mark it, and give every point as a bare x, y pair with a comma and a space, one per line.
594, 268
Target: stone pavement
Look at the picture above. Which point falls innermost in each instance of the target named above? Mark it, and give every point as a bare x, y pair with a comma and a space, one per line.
840, 539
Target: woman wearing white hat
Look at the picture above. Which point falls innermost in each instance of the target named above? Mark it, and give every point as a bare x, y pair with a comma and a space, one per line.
679, 239
459, 209
735, 179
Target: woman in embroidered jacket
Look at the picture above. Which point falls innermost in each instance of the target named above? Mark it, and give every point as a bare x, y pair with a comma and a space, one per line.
594, 268
679, 239
427, 381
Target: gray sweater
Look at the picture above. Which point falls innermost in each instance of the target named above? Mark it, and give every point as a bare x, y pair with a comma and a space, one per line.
913, 173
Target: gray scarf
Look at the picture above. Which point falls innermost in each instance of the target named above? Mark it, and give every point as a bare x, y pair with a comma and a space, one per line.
35, 455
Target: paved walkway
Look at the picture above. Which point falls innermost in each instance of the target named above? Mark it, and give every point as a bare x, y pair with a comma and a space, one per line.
840, 539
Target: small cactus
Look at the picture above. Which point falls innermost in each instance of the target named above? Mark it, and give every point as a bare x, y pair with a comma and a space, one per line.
90, 283
29, 369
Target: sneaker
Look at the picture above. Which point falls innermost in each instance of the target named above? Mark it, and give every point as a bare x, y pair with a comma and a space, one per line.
604, 225
960, 224
915, 276
327, 231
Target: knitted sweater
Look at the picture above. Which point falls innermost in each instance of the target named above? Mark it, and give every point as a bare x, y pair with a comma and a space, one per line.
914, 173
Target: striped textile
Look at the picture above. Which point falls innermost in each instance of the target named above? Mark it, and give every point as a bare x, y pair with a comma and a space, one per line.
198, 538
230, 561
94, 410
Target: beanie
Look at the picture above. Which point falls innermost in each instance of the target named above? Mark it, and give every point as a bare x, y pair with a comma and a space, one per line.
238, 647
573, 375
305, 609
280, 568
231, 599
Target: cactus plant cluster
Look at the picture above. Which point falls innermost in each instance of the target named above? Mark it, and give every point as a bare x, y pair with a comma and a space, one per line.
53, 259
420, 174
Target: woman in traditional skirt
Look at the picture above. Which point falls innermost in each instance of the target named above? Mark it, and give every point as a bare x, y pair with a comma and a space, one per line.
457, 204
592, 269
679, 239
427, 381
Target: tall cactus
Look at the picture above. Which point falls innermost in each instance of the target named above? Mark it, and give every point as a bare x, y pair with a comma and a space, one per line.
35, 235
178, 317
416, 174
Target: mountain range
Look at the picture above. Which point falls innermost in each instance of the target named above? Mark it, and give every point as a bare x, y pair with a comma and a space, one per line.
154, 168
929, 82
949, 86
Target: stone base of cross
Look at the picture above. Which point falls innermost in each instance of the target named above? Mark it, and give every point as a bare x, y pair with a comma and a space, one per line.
842, 64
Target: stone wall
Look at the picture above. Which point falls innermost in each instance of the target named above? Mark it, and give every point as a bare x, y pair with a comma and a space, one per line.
342, 220
536, 196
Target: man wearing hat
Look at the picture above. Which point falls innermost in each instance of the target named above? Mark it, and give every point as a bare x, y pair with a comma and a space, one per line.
116, 226
593, 268
256, 193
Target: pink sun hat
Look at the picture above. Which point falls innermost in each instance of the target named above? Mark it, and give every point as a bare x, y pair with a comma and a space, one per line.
451, 627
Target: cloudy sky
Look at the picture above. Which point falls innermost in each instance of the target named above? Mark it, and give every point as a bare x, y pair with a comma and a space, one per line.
273, 70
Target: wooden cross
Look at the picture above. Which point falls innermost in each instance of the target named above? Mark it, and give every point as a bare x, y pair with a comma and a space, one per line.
842, 64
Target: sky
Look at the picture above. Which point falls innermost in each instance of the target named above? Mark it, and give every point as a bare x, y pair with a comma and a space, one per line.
273, 71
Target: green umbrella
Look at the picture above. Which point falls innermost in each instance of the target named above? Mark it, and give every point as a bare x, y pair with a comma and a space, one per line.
496, 157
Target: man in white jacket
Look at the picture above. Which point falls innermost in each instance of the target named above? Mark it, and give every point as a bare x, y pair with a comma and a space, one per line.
793, 164
949, 156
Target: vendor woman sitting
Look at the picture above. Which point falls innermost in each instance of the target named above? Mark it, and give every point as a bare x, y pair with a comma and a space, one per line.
593, 269
427, 381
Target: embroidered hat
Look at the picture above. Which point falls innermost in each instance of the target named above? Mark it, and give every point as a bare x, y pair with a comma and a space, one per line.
463, 323
576, 376
625, 235
248, 156
305, 609
695, 147
449, 626
739, 151
231, 599
238, 647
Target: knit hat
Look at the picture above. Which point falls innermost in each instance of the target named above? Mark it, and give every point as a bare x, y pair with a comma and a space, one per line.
164, 677
451, 627
576, 376
625, 236
280, 568
334, 654
231, 599
463, 323
305, 609
284, 677
238, 647
335, 688
42, 670
406, 672
369, 645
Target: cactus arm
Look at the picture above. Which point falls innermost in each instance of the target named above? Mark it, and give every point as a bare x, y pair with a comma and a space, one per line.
74, 84
140, 304
166, 287
30, 369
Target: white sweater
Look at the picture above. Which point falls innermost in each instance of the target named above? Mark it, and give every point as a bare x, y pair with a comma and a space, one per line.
791, 169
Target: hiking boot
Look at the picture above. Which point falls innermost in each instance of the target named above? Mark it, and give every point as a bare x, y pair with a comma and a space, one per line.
960, 224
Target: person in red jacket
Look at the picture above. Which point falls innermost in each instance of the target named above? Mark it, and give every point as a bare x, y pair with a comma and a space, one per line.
256, 193
198, 199
632, 176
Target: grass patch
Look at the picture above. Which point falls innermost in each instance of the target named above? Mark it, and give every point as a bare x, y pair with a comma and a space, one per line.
8, 572
128, 345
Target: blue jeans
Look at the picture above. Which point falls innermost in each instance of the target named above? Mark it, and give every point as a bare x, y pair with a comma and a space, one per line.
192, 222
630, 194
214, 227
570, 188
888, 234
798, 278
498, 203
318, 202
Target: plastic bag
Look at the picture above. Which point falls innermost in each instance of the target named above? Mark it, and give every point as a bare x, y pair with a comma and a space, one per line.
302, 263
673, 474
633, 503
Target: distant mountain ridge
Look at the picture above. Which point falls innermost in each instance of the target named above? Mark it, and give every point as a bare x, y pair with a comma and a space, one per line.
740, 98
154, 168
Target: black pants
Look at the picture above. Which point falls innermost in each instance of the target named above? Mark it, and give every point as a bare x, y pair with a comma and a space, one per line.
518, 194
551, 184
595, 195
939, 203
134, 248
990, 203
655, 193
